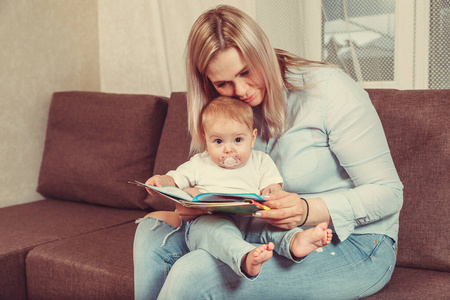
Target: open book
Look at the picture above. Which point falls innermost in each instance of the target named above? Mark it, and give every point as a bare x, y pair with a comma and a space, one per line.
246, 203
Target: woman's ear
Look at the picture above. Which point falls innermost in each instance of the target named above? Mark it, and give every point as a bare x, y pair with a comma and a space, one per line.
254, 134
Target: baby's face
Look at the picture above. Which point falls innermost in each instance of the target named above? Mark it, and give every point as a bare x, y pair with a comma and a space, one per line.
229, 143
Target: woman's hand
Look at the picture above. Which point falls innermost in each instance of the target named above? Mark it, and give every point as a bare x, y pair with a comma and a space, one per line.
288, 210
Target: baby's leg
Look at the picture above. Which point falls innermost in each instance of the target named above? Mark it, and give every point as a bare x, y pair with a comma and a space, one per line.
253, 261
305, 242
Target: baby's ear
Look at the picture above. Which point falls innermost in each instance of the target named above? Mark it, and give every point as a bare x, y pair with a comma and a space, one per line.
254, 134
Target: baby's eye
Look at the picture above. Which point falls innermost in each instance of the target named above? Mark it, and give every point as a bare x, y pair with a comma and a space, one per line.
238, 140
218, 141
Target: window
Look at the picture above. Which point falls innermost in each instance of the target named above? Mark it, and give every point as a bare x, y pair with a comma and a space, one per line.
380, 43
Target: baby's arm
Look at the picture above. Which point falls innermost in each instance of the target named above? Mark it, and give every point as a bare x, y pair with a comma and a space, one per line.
271, 188
192, 191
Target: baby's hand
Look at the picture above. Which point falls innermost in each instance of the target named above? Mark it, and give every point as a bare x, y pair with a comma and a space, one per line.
271, 189
153, 181
159, 180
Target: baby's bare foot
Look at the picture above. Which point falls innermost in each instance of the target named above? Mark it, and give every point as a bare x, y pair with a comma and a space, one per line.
305, 242
253, 261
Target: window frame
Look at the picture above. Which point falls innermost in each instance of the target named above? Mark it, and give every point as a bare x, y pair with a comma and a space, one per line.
412, 25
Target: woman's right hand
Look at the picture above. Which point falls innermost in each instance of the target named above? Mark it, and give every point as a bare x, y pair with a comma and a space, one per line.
189, 214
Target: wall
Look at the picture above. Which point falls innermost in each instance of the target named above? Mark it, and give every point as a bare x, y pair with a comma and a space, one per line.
142, 42
45, 46
132, 58
120, 46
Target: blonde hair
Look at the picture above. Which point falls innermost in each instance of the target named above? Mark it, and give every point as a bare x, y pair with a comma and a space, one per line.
226, 108
226, 27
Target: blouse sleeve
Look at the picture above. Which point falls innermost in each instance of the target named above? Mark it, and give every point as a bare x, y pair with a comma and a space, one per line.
357, 139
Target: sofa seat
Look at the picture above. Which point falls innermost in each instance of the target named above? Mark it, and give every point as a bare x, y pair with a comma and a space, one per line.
409, 283
25, 226
98, 265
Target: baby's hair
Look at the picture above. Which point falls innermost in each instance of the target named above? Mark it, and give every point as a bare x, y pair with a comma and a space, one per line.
227, 108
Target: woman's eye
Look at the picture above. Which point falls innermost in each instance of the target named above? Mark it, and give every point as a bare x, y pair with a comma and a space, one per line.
222, 84
246, 72
218, 141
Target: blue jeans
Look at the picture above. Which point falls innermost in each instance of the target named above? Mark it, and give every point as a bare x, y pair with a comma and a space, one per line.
228, 237
165, 269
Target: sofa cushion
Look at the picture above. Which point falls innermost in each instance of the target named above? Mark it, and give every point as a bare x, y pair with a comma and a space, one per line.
96, 143
407, 283
174, 145
98, 265
416, 125
25, 226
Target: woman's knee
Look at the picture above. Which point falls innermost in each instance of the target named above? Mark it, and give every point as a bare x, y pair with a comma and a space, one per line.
170, 217
194, 267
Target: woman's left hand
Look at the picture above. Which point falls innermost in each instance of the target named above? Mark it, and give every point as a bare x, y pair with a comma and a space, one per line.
287, 210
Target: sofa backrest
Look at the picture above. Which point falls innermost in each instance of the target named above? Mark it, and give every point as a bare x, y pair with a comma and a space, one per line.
97, 142
173, 147
416, 125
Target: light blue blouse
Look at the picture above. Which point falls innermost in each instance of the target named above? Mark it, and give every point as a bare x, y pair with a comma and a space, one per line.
335, 148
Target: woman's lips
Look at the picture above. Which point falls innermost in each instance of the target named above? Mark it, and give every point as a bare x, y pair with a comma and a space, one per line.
249, 99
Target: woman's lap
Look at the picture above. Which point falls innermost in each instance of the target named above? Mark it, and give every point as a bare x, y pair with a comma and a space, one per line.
359, 266
157, 246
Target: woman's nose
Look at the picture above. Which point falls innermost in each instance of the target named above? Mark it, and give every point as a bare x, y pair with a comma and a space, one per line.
240, 88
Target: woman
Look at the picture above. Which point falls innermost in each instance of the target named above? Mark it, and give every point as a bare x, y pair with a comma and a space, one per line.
324, 135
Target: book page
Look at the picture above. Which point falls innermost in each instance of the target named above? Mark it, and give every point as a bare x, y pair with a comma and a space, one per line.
172, 191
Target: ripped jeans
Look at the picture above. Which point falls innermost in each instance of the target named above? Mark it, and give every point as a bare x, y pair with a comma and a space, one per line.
165, 269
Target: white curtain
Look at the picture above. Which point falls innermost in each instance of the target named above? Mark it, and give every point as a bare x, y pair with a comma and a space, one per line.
142, 42
440, 44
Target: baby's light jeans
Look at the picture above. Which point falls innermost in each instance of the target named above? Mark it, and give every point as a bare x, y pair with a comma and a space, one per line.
165, 269
228, 237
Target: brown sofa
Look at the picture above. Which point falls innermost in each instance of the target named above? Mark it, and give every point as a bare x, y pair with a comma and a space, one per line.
77, 242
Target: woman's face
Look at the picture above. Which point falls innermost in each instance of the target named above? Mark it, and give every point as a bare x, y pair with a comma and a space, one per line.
231, 76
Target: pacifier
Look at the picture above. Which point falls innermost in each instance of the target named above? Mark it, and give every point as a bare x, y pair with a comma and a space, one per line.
230, 161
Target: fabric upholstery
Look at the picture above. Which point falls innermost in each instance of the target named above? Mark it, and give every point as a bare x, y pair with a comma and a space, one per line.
416, 125
96, 143
25, 226
174, 145
12, 275
98, 265
408, 283
57, 249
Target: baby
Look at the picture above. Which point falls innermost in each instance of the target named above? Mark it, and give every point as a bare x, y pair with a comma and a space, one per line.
230, 165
